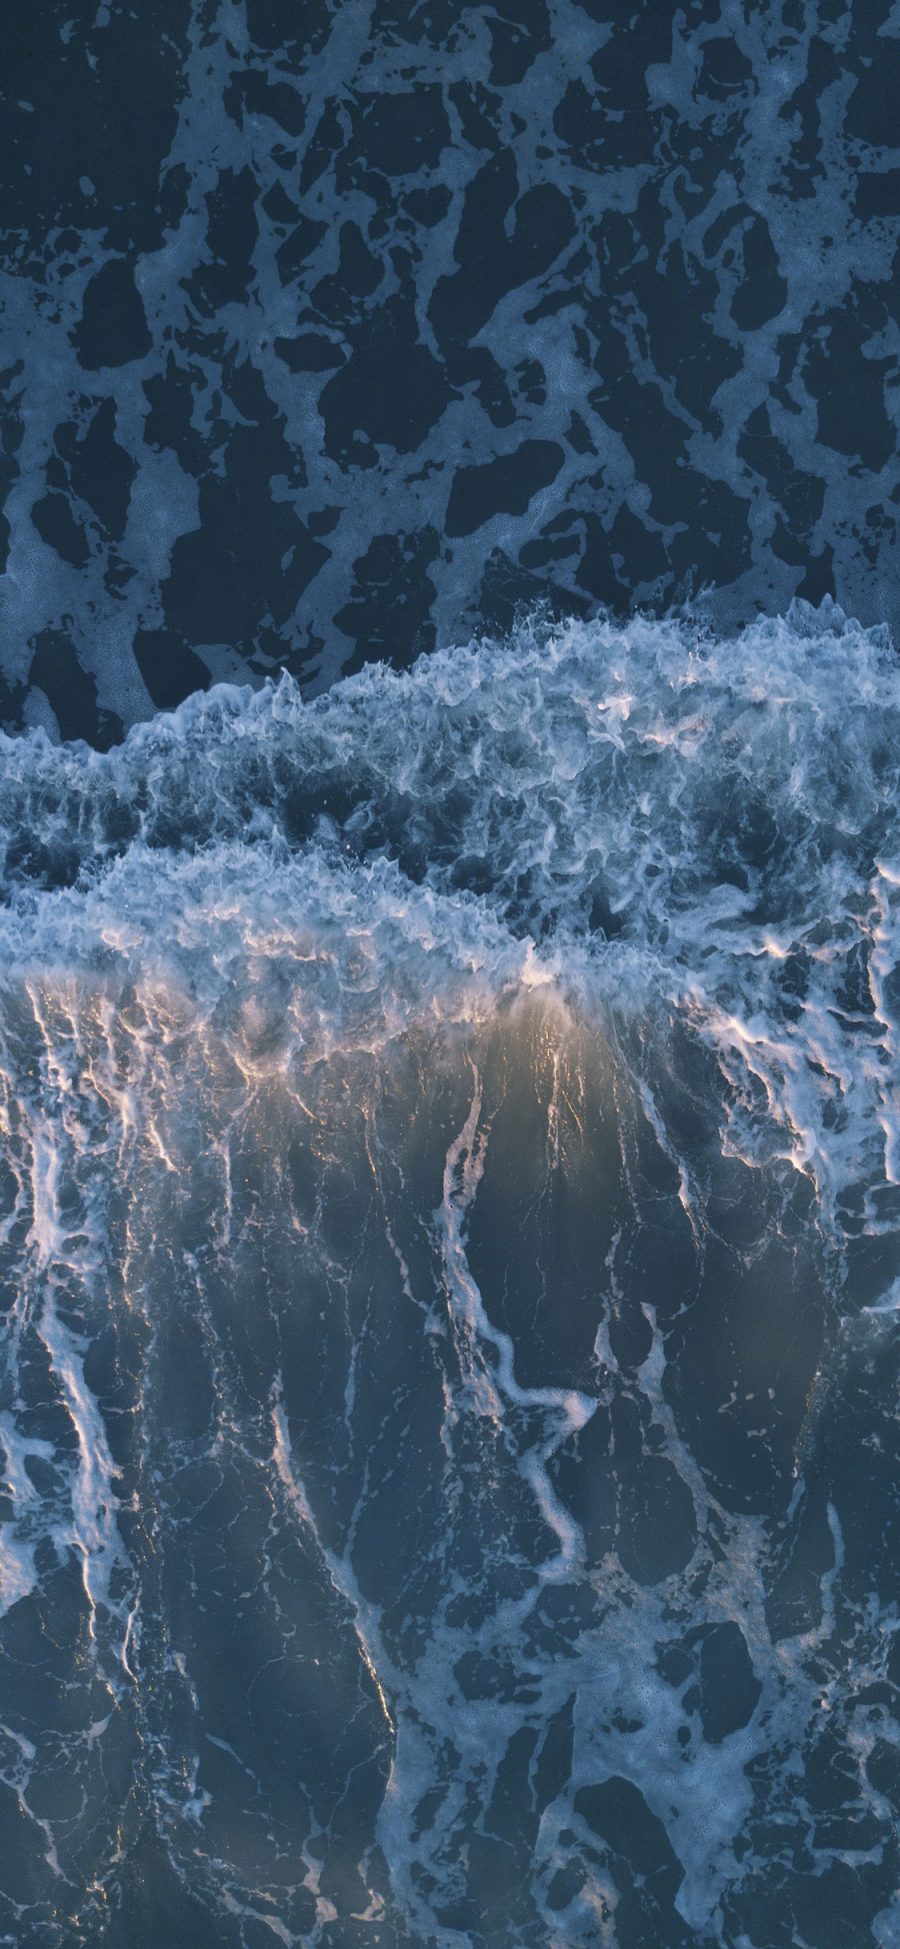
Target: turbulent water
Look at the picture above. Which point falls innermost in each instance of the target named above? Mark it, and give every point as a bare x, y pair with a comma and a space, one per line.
450, 1203
332, 332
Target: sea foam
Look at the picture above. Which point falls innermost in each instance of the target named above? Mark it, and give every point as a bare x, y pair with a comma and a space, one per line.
449, 1205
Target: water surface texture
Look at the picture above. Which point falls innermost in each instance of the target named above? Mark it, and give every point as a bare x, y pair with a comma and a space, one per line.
331, 332
450, 1264
449, 975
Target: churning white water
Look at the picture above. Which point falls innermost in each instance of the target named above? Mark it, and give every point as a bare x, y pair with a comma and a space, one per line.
450, 1189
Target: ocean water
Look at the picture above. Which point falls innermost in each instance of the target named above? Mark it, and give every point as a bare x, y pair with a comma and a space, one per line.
450, 1194
331, 331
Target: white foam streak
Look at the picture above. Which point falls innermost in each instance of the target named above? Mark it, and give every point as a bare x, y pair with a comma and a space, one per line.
339, 1569
474, 1332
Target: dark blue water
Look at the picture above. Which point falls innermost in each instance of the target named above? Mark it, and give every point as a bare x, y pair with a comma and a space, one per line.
449, 1143
332, 332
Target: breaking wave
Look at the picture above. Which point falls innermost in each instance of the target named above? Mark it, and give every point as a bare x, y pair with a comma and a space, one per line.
450, 1256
